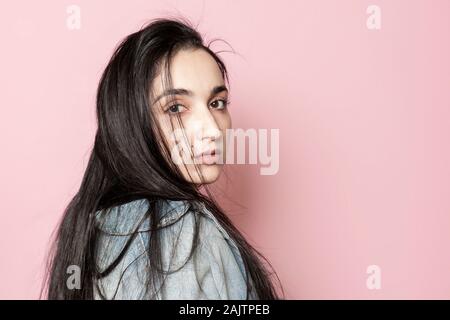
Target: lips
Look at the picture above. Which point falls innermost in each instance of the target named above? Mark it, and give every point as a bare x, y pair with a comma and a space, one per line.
206, 153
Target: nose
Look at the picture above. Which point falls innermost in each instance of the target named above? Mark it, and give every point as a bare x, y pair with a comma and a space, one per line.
209, 127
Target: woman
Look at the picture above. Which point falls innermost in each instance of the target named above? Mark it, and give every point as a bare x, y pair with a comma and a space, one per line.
140, 226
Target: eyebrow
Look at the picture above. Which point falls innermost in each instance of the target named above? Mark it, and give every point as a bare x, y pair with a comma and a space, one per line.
181, 91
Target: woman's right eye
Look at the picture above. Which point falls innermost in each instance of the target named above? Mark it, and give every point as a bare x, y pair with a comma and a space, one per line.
175, 108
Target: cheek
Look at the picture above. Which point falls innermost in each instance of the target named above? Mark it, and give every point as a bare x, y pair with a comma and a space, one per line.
167, 131
171, 134
191, 129
224, 121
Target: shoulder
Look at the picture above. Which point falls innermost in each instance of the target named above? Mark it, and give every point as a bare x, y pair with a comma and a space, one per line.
125, 218
117, 225
179, 221
214, 270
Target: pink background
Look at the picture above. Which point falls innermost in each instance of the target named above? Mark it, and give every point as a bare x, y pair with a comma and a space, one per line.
364, 120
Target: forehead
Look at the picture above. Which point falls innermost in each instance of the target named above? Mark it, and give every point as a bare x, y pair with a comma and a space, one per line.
192, 69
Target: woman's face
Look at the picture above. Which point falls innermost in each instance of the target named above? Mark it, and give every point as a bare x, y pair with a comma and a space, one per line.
201, 100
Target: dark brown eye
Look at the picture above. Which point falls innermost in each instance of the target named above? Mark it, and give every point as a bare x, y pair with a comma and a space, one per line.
175, 108
219, 104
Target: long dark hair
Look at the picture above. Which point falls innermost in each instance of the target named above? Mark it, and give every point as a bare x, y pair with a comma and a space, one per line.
129, 161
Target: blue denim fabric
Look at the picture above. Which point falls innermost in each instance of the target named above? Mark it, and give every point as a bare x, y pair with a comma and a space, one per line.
214, 271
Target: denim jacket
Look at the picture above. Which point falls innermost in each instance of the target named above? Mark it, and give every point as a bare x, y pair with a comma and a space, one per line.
214, 271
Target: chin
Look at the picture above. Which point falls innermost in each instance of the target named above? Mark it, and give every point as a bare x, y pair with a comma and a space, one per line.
211, 173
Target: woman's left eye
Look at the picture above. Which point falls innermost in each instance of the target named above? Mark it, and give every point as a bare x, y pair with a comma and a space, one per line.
220, 104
